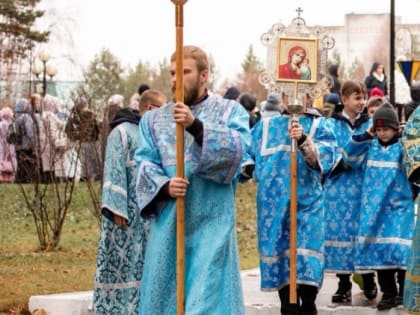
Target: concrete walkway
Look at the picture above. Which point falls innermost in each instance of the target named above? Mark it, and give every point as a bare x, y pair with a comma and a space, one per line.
267, 303
256, 302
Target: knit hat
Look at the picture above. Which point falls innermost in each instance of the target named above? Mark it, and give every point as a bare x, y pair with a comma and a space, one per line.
385, 116
376, 92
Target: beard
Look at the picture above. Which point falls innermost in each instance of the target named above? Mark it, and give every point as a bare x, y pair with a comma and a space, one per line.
190, 94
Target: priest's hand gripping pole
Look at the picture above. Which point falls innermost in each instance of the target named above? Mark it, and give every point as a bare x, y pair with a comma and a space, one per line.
179, 97
294, 109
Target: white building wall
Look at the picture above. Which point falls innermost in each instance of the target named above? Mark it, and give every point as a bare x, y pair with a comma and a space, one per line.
366, 37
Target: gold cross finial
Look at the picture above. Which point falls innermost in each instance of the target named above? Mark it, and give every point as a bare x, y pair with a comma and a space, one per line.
299, 11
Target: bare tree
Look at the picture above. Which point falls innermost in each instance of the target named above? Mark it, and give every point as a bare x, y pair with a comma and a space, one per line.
356, 71
47, 192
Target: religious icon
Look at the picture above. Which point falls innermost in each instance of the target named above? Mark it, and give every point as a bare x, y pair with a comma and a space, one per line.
297, 59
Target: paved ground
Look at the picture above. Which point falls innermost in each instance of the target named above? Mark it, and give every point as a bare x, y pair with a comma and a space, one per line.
256, 302
267, 303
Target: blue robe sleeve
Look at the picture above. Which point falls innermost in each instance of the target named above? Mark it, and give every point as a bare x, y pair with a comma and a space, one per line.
114, 189
326, 143
256, 137
356, 150
151, 176
224, 146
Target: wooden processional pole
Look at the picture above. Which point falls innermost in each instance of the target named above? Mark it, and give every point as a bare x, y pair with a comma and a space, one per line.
179, 97
293, 223
294, 110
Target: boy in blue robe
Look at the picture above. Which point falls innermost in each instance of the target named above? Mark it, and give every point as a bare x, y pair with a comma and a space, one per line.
342, 190
387, 210
123, 237
215, 139
270, 152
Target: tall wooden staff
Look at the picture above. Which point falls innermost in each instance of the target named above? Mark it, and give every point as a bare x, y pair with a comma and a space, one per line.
294, 109
179, 97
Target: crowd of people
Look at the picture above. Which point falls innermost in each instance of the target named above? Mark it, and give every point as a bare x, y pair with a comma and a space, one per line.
357, 182
47, 145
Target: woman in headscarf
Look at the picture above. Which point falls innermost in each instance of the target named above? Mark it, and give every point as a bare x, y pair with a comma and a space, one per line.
377, 78
54, 140
334, 70
7, 151
28, 163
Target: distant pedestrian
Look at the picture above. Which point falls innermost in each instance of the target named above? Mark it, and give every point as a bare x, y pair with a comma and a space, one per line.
53, 139
334, 70
7, 150
27, 154
84, 127
249, 102
377, 78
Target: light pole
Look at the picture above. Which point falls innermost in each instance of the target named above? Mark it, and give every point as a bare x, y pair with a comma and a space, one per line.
41, 65
392, 54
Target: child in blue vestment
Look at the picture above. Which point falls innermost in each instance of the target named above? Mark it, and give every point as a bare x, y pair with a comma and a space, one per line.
387, 211
342, 195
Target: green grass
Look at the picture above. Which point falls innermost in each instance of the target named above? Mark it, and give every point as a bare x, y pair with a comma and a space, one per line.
25, 271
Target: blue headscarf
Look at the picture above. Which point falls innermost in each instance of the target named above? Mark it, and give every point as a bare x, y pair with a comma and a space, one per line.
20, 106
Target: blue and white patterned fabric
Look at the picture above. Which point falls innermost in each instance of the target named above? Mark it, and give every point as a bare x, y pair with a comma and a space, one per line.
387, 211
271, 152
212, 276
411, 140
342, 192
121, 251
